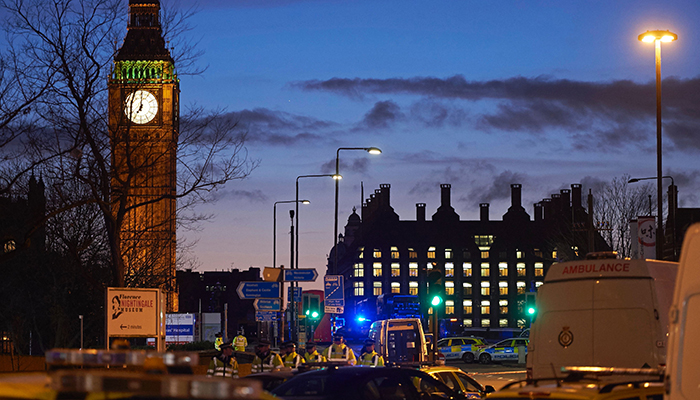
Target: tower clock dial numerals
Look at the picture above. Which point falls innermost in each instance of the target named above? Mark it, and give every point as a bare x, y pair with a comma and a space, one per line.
141, 106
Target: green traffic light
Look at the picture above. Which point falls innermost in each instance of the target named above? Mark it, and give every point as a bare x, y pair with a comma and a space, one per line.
314, 314
436, 301
531, 310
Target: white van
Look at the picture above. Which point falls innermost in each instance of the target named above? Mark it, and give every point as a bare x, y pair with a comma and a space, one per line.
400, 340
682, 372
601, 312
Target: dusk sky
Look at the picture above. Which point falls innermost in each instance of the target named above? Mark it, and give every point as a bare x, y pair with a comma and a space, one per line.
478, 94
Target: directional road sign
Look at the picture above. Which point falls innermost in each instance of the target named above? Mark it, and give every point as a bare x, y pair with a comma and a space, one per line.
334, 295
300, 275
265, 316
267, 304
297, 294
257, 289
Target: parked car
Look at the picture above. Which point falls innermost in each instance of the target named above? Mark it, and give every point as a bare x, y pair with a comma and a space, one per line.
582, 386
364, 383
461, 348
505, 350
458, 381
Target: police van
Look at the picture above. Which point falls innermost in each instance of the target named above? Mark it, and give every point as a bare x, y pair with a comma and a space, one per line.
400, 340
604, 312
682, 378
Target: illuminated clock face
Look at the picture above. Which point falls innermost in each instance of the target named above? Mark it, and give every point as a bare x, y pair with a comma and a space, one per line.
141, 106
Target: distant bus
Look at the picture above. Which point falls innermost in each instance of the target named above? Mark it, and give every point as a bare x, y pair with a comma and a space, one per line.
392, 305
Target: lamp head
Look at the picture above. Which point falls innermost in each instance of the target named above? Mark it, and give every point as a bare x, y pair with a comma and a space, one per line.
652, 36
373, 150
305, 202
337, 177
633, 180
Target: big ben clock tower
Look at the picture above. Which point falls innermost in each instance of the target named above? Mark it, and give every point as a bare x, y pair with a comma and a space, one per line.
144, 123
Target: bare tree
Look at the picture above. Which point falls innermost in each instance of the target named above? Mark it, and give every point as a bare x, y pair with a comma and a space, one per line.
70, 44
616, 204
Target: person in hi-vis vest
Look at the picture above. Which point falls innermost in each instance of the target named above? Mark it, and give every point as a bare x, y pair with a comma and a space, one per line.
338, 351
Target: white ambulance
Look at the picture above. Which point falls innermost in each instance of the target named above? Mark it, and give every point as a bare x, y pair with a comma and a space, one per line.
683, 369
601, 312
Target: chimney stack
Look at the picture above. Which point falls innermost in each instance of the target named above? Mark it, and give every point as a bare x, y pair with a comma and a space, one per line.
445, 194
538, 211
576, 196
516, 195
565, 200
420, 212
484, 208
384, 193
547, 209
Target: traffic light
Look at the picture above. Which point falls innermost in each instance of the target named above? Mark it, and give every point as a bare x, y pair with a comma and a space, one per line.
436, 290
530, 306
311, 306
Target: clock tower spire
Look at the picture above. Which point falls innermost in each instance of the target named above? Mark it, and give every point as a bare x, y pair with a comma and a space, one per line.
144, 125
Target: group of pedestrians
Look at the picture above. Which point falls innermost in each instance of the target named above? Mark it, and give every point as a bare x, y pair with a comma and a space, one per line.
266, 360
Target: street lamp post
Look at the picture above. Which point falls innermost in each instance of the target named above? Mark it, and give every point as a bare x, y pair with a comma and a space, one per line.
295, 263
274, 248
370, 150
657, 37
671, 210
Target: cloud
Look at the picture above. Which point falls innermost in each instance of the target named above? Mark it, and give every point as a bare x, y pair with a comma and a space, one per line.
254, 196
432, 113
356, 165
498, 189
614, 114
280, 128
382, 115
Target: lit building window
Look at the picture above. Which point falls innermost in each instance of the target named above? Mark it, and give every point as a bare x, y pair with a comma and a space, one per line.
503, 288
449, 288
467, 289
449, 270
449, 307
502, 269
360, 252
485, 254
554, 254
539, 269
9, 246
467, 306
413, 269
519, 254
430, 310
413, 288
485, 323
431, 252
430, 266
503, 306
503, 322
538, 284
448, 254
395, 287
412, 253
395, 269
467, 323
359, 270
483, 240
485, 269
521, 287
485, 288
376, 288
521, 269
377, 269
359, 288
486, 307
394, 252
521, 323
467, 269
377, 253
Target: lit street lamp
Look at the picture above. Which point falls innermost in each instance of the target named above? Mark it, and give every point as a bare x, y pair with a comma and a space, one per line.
274, 227
370, 150
657, 37
673, 196
295, 264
